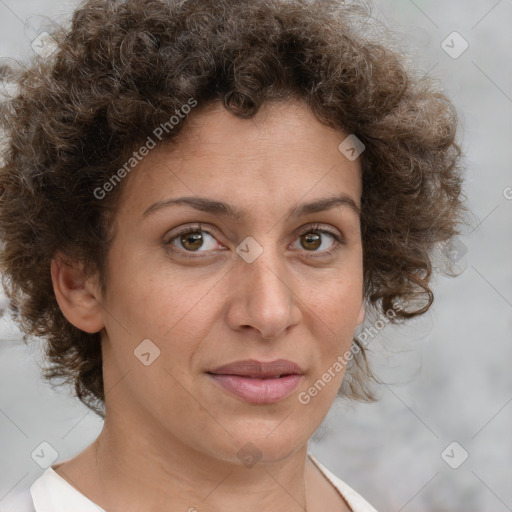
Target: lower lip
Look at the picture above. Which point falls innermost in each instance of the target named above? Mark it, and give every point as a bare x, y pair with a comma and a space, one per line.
258, 391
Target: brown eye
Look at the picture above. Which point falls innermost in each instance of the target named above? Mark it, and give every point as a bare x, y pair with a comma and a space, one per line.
192, 241
319, 241
311, 241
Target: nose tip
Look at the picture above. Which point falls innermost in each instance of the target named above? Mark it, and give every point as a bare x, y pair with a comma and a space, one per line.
263, 302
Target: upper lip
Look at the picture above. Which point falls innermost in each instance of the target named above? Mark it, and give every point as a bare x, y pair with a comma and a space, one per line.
258, 369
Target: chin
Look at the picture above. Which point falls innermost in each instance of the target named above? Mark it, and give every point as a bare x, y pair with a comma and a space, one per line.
270, 441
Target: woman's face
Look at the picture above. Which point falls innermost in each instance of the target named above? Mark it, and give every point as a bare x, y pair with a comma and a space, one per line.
272, 283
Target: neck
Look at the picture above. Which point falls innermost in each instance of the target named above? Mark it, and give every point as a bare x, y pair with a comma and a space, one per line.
128, 469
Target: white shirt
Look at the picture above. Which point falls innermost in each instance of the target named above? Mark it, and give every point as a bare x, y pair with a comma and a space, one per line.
51, 493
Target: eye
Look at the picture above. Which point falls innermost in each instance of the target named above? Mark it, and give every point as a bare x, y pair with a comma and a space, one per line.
192, 239
313, 239
196, 239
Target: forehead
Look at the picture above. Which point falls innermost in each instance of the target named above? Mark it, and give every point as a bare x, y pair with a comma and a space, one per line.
281, 155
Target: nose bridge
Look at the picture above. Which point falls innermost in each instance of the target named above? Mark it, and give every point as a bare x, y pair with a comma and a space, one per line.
264, 299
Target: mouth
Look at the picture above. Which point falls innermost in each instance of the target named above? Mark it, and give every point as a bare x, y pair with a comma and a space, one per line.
258, 382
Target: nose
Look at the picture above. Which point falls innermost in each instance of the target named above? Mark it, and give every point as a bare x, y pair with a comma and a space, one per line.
264, 300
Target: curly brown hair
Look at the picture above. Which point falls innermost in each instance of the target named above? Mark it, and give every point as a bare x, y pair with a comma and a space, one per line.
124, 66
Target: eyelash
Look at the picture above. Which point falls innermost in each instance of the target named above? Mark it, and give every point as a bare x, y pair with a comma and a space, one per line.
315, 228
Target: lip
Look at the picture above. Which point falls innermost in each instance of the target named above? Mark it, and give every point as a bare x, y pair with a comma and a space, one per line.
259, 382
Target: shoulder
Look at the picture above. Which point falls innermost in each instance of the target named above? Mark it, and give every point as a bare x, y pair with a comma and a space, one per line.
356, 502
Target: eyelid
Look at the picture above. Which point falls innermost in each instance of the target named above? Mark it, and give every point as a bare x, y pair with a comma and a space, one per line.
320, 229
191, 228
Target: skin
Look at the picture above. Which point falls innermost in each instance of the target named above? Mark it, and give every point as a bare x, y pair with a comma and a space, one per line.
171, 435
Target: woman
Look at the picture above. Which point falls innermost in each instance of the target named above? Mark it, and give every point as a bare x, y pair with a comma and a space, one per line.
199, 199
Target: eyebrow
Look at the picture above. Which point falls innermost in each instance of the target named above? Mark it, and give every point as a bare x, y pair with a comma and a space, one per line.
214, 207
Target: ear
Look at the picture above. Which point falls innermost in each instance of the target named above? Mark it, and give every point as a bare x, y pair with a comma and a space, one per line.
77, 295
362, 313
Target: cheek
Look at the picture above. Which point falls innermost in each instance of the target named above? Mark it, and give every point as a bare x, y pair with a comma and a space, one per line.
334, 315
154, 296
175, 317
336, 302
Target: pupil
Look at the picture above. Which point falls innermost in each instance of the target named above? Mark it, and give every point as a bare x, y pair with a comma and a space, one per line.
312, 239
195, 241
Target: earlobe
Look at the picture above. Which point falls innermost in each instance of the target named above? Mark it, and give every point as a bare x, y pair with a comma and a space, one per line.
77, 295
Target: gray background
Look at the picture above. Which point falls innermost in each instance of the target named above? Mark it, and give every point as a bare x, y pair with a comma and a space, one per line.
447, 376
